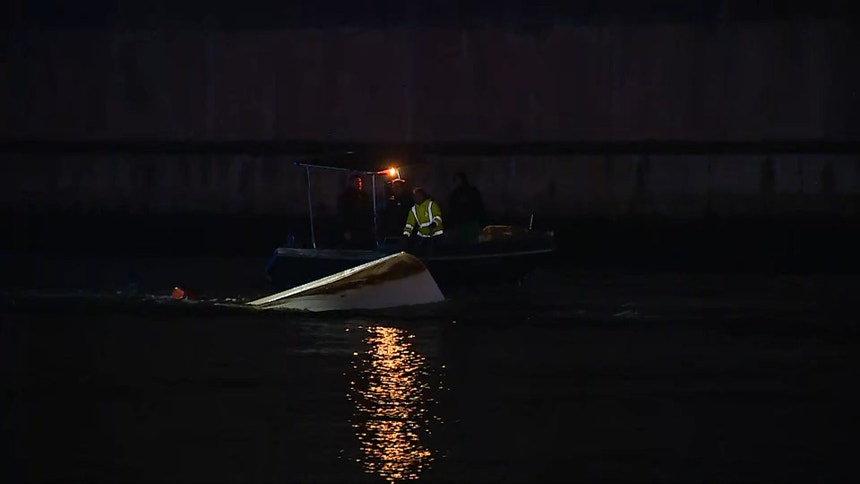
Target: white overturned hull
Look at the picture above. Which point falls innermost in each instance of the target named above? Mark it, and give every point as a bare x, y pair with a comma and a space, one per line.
396, 280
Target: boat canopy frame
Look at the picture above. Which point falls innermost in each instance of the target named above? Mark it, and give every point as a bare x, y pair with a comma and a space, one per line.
354, 170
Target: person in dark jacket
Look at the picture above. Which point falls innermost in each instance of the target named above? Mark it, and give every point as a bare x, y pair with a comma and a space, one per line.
397, 206
355, 209
465, 212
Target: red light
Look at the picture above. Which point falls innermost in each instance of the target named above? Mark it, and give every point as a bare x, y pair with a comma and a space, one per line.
392, 172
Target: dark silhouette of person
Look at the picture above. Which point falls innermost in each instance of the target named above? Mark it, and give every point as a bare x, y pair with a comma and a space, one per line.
465, 211
397, 206
355, 210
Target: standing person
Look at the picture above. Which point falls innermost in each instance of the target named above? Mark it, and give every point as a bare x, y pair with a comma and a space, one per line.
465, 211
355, 210
424, 220
396, 210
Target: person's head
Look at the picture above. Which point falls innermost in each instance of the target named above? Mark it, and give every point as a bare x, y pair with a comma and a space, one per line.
419, 195
355, 182
398, 186
460, 179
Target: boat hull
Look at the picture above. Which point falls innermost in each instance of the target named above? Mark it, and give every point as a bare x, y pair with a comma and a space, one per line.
393, 281
450, 266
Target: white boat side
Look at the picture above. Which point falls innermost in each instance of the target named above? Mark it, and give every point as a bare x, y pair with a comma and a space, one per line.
396, 280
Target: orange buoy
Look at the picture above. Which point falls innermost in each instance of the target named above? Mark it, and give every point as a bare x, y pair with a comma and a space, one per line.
178, 293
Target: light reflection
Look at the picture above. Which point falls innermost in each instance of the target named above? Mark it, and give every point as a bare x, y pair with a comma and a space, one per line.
392, 399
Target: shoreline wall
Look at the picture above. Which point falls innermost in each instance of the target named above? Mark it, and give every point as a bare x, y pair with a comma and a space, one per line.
788, 79
719, 81
677, 186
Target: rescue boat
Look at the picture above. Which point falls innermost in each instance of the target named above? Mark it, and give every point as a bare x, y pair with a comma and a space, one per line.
503, 253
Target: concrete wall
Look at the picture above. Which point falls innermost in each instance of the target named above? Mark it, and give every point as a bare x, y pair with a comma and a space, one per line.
788, 79
605, 186
743, 81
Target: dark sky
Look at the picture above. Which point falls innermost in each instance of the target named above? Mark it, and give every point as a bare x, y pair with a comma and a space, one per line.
440, 13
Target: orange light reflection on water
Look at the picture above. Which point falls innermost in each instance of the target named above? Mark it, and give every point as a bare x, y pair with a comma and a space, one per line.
391, 406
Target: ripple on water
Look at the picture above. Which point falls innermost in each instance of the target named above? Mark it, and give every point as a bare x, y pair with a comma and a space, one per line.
392, 394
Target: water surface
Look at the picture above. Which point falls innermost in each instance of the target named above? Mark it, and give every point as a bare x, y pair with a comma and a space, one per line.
570, 377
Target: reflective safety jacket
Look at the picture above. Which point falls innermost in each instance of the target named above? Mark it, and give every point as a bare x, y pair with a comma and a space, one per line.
421, 216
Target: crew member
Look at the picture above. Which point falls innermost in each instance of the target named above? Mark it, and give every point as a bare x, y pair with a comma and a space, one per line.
396, 210
466, 211
424, 219
355, 209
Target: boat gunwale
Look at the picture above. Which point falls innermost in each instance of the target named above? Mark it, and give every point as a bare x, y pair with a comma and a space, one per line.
335, 254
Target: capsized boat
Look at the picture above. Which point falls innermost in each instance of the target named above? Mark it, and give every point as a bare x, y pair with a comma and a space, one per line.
503, 253
396, 280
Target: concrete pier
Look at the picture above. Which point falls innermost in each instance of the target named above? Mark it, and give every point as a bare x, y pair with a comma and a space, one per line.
677, 186
781, 79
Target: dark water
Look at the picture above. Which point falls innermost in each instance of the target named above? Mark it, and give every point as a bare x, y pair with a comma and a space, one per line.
572, 376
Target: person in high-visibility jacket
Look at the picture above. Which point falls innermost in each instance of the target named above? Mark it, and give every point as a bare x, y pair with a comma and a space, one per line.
425, 217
